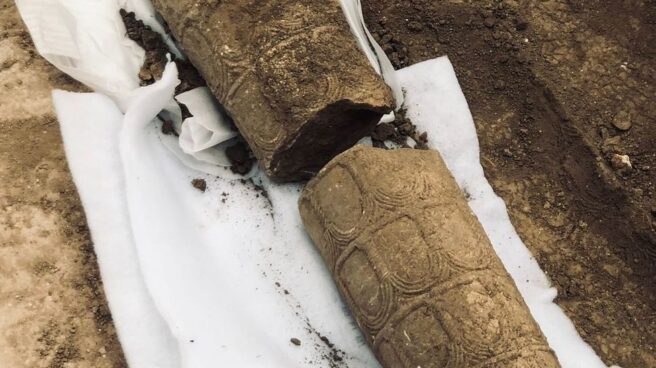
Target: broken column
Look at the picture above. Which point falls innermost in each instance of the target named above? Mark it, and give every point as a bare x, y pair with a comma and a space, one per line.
415, 266
289, 73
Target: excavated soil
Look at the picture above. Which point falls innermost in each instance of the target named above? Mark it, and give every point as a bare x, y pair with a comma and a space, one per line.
560, 92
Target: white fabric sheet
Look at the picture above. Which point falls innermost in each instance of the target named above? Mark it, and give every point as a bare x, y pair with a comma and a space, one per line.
234, 281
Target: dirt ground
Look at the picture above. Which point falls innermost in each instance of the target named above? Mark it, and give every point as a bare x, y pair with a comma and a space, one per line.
53, 311
560, 90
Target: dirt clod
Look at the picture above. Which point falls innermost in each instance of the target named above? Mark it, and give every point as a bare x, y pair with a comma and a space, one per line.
167, 128
240, 157
199, 184
398, 132
156, 55
295, 341
384, 132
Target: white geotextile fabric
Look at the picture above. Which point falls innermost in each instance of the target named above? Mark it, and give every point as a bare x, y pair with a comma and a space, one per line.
193, 281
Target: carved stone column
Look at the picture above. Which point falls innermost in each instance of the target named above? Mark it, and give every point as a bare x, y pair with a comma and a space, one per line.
289, 72
415, 266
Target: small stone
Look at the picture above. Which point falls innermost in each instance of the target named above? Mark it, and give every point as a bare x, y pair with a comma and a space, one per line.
151, 39
295, 341
199, 184
490, 22
415, 26
622, 121
621, 163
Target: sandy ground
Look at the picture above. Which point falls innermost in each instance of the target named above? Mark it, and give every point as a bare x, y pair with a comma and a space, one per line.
53, 312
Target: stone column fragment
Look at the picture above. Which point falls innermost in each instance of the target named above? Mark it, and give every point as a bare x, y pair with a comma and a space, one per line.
289, 73
415, 266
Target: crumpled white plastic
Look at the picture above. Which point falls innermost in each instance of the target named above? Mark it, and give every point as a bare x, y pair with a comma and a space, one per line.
87, 40
208, 126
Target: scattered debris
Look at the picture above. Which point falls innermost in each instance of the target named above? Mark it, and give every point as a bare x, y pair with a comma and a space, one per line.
199, 184
398, 132
156, 55
151, 42
395, 50
295, 341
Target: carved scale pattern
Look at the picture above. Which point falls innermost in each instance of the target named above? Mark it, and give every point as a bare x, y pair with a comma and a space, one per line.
274, 64
414, 265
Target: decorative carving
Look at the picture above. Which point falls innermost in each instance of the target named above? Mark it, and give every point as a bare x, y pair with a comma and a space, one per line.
289, 72
414, 265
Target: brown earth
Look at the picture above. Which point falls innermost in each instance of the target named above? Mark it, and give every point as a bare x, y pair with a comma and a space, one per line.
557, 89
53, 311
